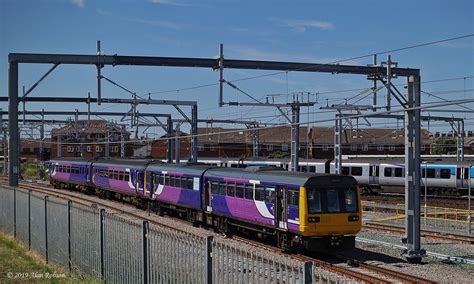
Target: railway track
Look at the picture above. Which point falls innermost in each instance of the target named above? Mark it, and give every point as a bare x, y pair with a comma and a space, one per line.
424, 233
344, 267
457, 202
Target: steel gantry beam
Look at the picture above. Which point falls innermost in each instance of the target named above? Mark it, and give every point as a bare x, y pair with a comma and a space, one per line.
117, 60
414, 252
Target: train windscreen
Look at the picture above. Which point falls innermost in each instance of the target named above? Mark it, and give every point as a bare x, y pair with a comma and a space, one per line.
331, 200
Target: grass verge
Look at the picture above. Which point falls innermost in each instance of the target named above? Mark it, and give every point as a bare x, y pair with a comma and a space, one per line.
18, 265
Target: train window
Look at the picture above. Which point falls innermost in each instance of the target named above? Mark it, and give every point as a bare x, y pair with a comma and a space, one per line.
332, 198
249, 191
345, 171
162, 179
222, 188
350, 199
185, 183
312, 169
314, 200
121, 176
377, 169
430, 173
303, 169
270, 194
259, 193
293, 197
127, 176
111, 174
239, 190
231, 189
356, 171
214, 187
177, 182
167, 180
466, 173
398, 172
387, 172
445, 173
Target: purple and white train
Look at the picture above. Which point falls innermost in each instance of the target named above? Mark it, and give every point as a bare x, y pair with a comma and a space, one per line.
314, 211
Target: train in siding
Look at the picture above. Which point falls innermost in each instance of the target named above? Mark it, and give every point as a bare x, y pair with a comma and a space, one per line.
313, 211
377, 175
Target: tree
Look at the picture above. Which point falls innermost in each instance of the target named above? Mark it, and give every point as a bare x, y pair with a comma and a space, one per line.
278, 155
444, 147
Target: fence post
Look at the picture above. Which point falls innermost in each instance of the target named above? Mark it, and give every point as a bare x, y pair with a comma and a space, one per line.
14, 212
102, 252
69, 253
46, 226
29, 219
308, 273
209, 241
145, 251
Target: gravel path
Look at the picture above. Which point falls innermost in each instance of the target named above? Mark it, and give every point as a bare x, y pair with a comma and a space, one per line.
431, 268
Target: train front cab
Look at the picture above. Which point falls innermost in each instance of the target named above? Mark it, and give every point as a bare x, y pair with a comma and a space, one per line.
330, 212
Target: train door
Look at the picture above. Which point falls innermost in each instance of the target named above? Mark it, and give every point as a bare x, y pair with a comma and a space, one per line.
207, 196
462, 177
281, 210
327, 167
374, 174
138, 181
148, 184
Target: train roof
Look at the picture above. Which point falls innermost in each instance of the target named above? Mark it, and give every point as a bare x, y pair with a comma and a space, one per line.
188, 168
402, 161
129, 163
71, 160
272, 174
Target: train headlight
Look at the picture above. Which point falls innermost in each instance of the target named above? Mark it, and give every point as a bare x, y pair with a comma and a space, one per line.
313, 219
353, 218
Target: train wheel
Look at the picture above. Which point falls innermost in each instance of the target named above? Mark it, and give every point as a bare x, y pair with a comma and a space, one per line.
223, 227
283, 242
191, 217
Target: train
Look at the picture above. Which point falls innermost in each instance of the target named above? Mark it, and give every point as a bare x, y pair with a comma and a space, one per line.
443, 177
296, 210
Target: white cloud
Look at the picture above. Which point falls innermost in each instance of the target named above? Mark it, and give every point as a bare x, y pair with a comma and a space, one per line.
163, 24
303, 25
78, 3
168, 2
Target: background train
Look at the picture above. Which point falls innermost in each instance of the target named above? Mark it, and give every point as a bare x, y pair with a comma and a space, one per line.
379, 175
309, 210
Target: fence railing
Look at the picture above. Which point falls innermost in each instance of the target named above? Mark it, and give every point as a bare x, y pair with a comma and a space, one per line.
116, 249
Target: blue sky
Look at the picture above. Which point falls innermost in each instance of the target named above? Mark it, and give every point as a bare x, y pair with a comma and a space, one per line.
307, 31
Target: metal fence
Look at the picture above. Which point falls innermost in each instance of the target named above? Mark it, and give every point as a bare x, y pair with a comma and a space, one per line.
116, 249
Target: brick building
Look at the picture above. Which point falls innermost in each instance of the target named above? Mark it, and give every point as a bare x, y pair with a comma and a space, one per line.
30, 149
279, 139
364, 141
317, 144
93, 134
